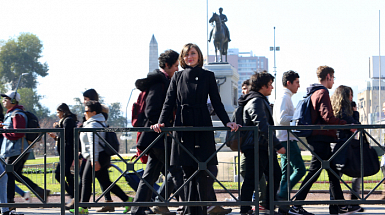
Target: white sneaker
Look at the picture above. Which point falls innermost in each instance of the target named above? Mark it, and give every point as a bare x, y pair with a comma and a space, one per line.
27, 197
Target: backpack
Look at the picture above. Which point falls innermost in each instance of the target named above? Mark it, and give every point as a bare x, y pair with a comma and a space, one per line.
32, 122
138, 118
232, 137
302, 116
112, 139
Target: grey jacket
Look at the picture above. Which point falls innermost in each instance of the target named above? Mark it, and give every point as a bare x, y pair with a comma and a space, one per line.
88, 140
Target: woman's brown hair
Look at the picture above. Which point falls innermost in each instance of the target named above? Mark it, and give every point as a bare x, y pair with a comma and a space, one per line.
185, 50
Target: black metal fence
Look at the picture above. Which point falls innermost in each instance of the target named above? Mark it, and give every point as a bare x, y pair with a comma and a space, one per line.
166, 133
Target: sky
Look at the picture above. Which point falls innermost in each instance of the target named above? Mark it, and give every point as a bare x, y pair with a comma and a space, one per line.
105, 44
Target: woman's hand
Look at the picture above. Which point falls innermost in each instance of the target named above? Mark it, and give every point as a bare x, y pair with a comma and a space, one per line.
234, 126
53, 135
97, 166
157, 127
282, 150
55, 124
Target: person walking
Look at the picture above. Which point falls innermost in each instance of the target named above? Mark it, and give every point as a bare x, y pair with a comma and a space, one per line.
257, 112
99, 158
322, 114
282, 115
15, 143
68, 121
188, 92
156, 84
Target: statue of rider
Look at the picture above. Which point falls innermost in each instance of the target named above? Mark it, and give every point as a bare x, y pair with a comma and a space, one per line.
223, 20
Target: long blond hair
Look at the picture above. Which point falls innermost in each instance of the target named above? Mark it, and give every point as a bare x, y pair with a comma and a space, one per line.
341, 101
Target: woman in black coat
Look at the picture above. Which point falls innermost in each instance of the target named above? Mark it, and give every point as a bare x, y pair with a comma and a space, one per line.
68, 121
188, 92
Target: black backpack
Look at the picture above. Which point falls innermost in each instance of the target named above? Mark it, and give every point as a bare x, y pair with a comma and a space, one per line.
232, 137
112, 139
32, 122
302, 116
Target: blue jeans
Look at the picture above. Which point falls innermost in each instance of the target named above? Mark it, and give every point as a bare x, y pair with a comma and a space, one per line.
297, 168
3, 188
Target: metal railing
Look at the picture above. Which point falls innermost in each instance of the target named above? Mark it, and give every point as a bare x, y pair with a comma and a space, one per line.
130, 167
326, 164
9, 168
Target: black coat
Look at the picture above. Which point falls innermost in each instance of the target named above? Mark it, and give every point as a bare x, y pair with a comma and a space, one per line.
188, 92
257, 112
156, 85
68, 123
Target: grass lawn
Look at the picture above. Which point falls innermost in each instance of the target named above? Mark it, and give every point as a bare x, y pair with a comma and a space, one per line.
54, 186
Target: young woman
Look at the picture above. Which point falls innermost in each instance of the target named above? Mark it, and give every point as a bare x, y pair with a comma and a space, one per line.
68, 121
89, 143
342, 107
188, 93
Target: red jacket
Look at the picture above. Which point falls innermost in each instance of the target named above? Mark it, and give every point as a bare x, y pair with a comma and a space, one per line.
322, 113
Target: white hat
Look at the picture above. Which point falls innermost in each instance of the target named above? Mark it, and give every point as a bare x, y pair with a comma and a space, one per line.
11, 94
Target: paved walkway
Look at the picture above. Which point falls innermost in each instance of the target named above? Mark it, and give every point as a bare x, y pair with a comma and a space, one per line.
316, 209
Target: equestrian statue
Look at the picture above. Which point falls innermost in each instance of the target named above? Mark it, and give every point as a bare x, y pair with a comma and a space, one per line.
220, 34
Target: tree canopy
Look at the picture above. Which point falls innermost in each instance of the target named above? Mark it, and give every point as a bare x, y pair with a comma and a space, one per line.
21, 55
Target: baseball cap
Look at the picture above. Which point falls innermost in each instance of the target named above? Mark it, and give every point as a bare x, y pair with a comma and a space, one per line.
11, 94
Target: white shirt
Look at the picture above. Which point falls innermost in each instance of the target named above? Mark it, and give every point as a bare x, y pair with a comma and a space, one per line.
282, 114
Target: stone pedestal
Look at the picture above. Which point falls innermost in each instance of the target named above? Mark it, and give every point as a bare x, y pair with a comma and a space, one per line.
227, 80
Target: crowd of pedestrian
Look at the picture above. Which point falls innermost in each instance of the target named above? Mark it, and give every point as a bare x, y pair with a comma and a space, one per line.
179, 98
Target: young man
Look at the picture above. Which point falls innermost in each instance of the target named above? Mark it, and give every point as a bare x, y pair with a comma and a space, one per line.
322, 114
15, 143
282, 115
257, 112
156, 85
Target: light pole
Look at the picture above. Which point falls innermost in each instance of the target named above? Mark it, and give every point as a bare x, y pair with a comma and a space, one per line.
127, 117
275, 71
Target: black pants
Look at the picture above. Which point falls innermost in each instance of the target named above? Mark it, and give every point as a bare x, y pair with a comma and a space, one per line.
155, 165
323, 150
69, 182
103, 177
18, 168
196, 190
248, 186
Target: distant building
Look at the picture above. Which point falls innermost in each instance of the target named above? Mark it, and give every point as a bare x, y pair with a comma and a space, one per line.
245, 63
153, 58
368, 101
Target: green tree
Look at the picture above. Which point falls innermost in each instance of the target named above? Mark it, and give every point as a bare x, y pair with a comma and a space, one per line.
30, 101
21, 55
115, 116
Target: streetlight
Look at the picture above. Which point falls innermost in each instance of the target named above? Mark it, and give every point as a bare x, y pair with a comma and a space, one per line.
127, 117
275, 71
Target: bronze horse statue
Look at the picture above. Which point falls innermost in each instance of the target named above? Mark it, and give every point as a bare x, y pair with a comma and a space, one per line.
221, 41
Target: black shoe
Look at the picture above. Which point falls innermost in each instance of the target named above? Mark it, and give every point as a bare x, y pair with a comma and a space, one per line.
298, 211
349, 209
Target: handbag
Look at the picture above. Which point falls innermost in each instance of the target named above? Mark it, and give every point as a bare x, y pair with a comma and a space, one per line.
352, 165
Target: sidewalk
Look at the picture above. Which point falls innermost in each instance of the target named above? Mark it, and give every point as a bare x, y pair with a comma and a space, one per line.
316, 209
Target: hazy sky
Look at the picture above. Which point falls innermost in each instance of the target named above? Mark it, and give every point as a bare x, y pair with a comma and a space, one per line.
105, 44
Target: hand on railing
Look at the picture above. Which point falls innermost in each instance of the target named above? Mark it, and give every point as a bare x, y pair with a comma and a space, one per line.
282, 150
234, 126
157, 127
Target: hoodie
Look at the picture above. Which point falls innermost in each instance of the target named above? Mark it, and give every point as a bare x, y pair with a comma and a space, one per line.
322, 112
257, 112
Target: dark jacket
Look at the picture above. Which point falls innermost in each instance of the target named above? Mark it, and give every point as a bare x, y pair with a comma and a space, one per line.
188, 92
68, 123
322, 112
257, 112
345, 134
156, 85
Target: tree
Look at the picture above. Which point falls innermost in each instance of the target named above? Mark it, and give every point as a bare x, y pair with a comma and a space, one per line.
115, 116
19, 56
30, 101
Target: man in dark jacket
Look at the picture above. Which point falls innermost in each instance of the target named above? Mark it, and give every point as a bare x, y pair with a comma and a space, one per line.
156, 85
257, 112
322, 114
